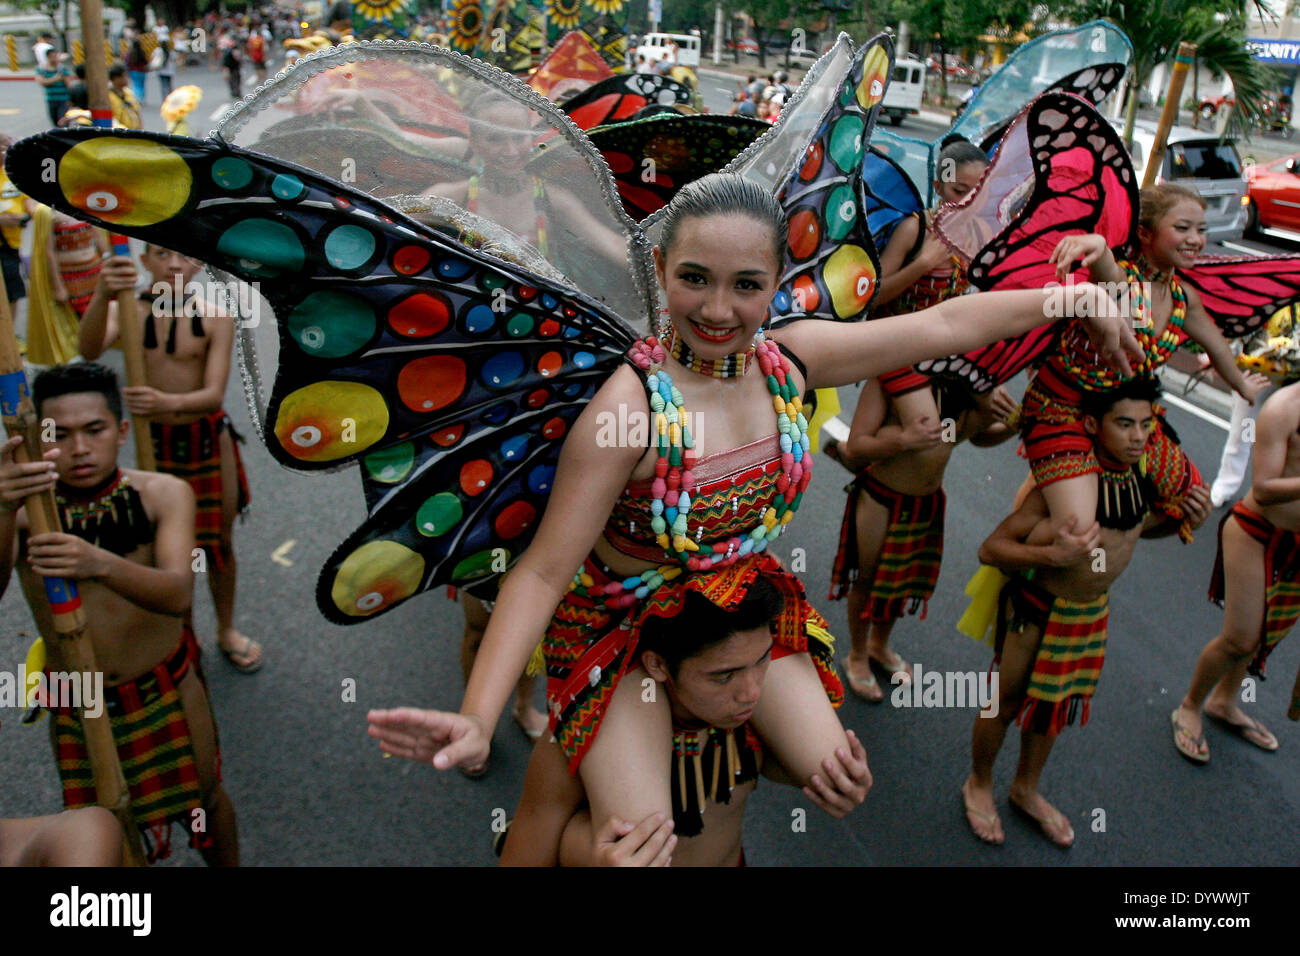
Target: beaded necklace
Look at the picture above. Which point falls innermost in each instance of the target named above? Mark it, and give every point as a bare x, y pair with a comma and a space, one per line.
674, 479
729, 366
539, 194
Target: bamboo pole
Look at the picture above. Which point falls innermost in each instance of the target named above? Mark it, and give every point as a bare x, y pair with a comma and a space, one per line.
72, 638
128, 320
1182, 62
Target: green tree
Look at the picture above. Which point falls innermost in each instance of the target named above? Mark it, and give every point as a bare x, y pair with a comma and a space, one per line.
1217, 27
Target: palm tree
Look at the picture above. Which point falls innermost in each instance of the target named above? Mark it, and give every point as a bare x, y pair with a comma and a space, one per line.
1217, 27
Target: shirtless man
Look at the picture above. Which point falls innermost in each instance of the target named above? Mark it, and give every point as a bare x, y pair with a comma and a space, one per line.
187, 365
1256, 579
1054, 645
711, 664
891, 538
128, 546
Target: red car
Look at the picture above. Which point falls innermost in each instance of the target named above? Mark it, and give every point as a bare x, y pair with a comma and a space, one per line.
1274, 193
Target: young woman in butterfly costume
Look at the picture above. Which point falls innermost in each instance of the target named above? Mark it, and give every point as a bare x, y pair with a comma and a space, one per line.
473, 389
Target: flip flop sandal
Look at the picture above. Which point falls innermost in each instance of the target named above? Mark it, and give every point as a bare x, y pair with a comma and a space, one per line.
1060, 823
900, 667
989, 819
860, 685
1194, 753
1245, 730
245, 668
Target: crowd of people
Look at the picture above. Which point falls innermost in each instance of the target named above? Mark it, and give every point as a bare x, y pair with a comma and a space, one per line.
676, 590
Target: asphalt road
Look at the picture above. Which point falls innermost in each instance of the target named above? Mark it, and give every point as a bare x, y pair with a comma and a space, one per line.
311, 788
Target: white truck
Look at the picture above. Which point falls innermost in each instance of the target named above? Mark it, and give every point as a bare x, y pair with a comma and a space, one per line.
655, 45
906, 87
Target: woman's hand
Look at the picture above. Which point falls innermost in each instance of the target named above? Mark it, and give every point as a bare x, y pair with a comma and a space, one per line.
1085, 250
436, 737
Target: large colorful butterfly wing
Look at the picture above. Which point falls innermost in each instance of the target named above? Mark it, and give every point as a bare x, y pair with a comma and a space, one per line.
654, 157
451, 375
831, 267
888, 197
1241, 293
1080, 181
1092, 83
619, 97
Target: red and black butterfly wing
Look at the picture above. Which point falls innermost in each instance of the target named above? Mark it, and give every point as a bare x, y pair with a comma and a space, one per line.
1082, 182
654, 157
619, 97
1241, 293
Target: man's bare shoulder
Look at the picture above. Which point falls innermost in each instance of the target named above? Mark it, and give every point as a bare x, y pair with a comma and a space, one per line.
158, 489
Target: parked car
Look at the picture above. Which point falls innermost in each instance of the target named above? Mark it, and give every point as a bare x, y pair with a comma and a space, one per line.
655, 45
744, 46
1200, 161
1274, 193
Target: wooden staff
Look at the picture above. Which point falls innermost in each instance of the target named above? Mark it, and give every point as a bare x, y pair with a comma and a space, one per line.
129, 336
73, 640
1182, 62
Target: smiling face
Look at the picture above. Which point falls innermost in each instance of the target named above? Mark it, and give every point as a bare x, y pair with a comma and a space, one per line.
87, 435
719, 276
719, 686
500, 133
1121, 435
1178, 237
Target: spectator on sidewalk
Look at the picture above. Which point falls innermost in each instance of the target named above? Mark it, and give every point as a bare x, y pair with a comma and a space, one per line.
53, 75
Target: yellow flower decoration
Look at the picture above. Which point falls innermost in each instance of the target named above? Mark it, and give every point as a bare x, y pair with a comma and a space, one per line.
467, 24
376, 10
565, 14
607, 7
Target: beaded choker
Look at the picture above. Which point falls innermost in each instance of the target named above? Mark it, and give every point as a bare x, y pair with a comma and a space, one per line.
1150, 273
1123, 498
111, 516
674, 480
729, 366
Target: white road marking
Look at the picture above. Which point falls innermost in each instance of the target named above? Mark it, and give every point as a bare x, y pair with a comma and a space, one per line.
1248, 250
1196, 410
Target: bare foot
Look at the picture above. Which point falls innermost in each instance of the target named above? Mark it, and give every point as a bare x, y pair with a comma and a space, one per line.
531, 721
865, 687
244, 653
981, 814
1049, 819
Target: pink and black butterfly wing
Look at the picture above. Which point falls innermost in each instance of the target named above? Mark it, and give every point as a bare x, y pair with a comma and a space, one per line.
1241, 293
1060, 170
450, 375
831, 270
620, 97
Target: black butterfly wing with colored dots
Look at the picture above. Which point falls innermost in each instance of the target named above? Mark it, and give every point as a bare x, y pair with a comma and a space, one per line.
1241, 293
621, 97
451, 375
831, 269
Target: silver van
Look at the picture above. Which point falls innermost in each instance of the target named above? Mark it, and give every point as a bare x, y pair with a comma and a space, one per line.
1201, 161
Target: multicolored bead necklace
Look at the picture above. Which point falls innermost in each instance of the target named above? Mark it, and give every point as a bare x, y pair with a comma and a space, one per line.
729, 366
539, 194
674, 480
1155, 349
